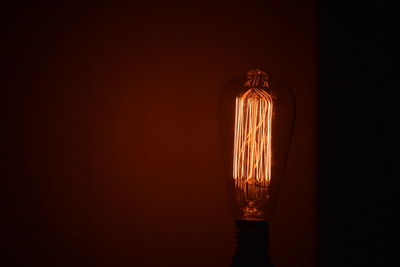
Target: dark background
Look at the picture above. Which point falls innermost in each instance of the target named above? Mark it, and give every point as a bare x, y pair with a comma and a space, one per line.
111, 154
358, 134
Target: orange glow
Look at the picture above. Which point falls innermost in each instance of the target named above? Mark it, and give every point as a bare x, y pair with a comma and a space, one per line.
252, 143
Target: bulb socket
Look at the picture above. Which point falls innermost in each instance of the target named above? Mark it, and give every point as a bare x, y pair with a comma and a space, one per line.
252, 243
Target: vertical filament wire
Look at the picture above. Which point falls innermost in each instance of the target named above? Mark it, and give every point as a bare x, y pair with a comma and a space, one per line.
252, 143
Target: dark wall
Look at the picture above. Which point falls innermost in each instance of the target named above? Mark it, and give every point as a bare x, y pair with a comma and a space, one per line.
111, 154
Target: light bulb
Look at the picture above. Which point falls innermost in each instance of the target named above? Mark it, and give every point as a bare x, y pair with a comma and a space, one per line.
252, 152
256, 118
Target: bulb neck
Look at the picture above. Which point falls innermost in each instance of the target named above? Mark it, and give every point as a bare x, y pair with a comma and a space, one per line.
252, 243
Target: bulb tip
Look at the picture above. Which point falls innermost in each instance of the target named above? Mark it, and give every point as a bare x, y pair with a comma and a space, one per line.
257, 78
257, 73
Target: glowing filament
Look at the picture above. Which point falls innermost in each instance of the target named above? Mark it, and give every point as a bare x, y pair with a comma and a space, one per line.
252, 143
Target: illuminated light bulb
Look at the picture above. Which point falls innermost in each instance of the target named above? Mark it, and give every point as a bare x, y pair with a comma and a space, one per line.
257, 123
252, 144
